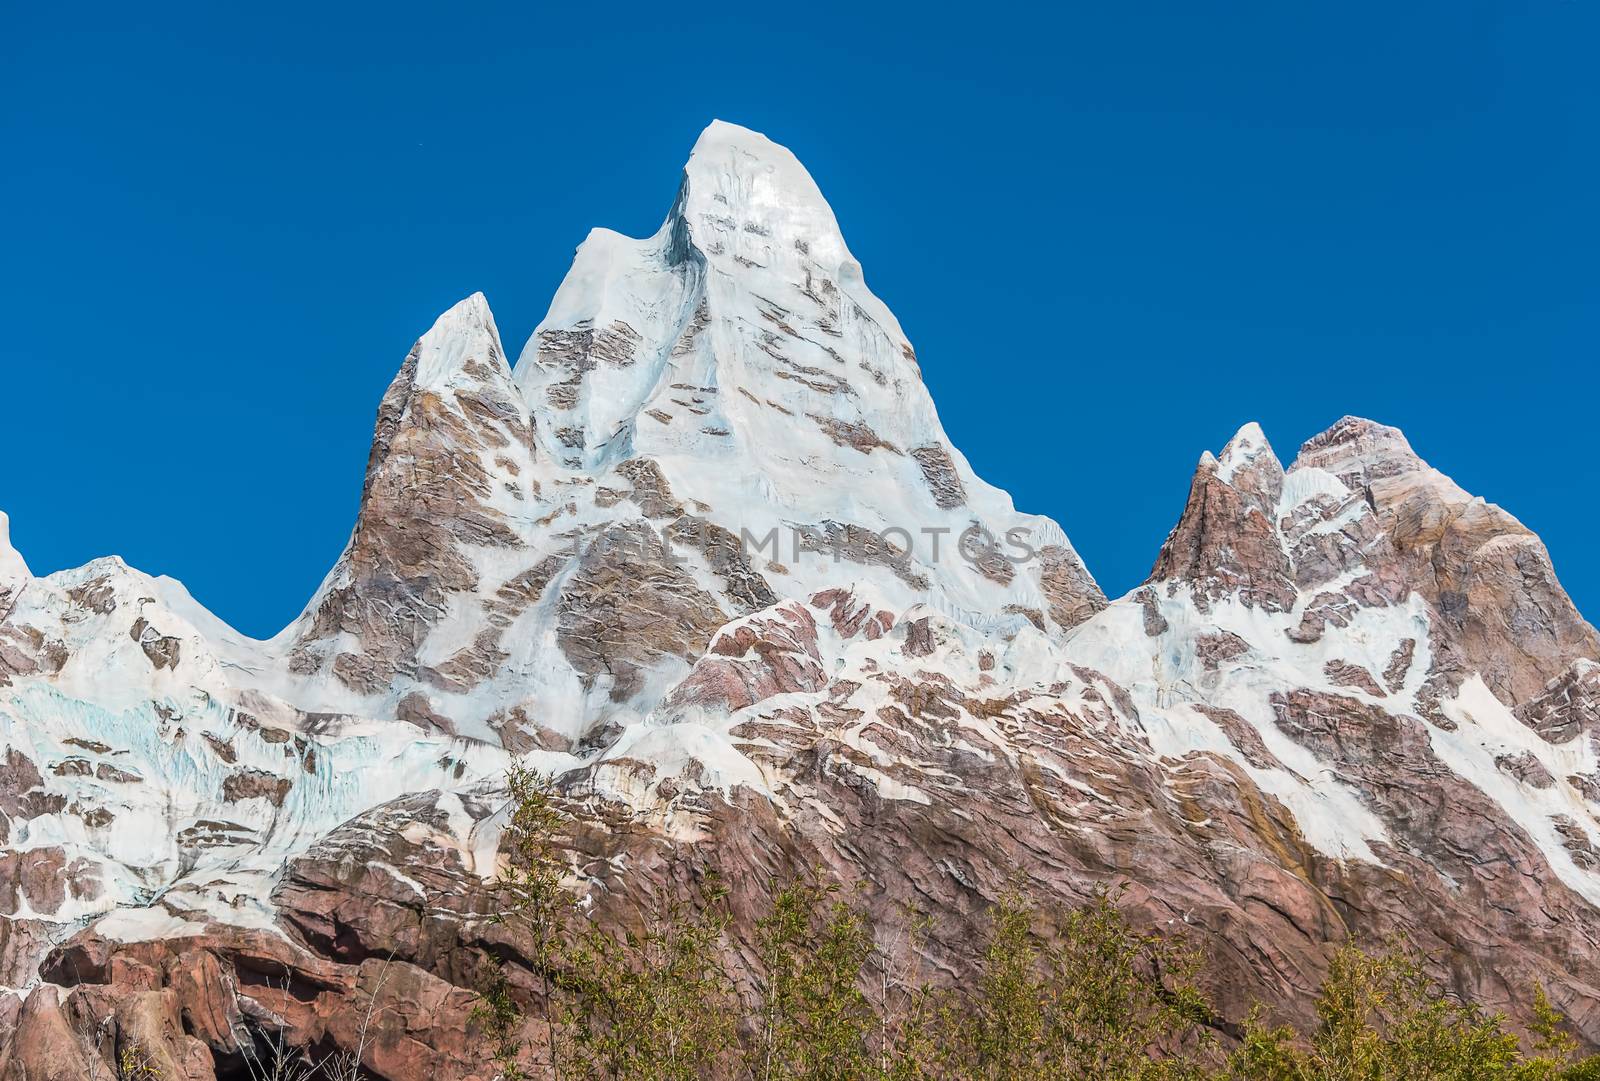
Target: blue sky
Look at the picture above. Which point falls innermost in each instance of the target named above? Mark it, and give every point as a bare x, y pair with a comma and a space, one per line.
1114, 232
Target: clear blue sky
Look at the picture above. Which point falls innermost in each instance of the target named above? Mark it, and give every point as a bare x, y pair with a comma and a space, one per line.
1113, 231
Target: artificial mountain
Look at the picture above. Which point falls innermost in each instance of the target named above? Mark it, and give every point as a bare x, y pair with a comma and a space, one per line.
705, 555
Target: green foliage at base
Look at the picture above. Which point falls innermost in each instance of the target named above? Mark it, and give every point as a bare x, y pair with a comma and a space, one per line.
651, 1005
1071, 995
499, 1020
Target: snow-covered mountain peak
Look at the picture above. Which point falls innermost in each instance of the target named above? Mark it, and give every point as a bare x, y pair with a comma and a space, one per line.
1358, 451
1248, 464
462, 346
753, 211
12, 565
720, 412
748, 291
747, 197
739, 351
1248, 446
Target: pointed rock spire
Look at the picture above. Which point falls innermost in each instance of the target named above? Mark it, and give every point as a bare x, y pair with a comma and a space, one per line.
455, 378
1227, 539
1248, 464
450, 473
463, 345
740, 350
1248, 446
13, 569
1359, 451
740, 183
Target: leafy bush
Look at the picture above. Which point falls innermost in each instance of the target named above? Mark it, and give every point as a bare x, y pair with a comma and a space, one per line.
654, 1005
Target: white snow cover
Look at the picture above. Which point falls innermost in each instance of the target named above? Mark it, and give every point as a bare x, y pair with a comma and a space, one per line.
1168, 678
744, 303
1486, 730
465, 331
12, 568
1247, 446
151, 751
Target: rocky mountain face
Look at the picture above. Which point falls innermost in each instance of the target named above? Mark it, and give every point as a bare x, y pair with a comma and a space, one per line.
705, 554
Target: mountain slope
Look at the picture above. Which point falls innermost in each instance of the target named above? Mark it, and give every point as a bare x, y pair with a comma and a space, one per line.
706, 556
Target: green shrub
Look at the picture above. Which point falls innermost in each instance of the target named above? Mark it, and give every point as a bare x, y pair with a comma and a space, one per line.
814, 1021
655, 1005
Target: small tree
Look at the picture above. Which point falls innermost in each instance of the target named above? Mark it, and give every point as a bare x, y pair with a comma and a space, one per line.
1554, 1048
1120, 996
655, 1005
532, 899
1265, 1053
1003, 1031
135, 1064
815, 1023
1096, 1001
1382, 1018
911, 1014
497, 1014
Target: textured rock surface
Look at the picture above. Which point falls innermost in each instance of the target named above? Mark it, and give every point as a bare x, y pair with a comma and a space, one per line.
706, 556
